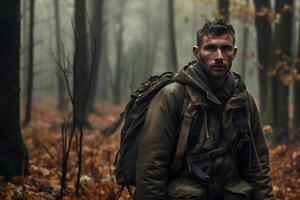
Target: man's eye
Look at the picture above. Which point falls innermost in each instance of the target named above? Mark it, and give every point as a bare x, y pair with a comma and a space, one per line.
210, 48
226, 48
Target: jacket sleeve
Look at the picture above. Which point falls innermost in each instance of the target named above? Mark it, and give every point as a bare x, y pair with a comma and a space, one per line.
257, 171
156, 144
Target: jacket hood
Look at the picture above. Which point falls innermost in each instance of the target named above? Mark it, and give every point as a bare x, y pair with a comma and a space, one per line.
190, 77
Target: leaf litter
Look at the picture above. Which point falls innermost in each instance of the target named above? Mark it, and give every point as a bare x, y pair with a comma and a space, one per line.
43, 139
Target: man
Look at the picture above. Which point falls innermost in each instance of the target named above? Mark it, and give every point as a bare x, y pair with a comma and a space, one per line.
226, 155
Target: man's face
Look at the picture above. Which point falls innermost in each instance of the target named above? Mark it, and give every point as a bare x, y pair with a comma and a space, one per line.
216, 54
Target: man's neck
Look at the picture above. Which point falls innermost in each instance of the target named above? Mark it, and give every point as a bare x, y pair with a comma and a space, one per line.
216, 84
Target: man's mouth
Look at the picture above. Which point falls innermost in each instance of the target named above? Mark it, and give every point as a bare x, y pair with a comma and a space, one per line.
218, 66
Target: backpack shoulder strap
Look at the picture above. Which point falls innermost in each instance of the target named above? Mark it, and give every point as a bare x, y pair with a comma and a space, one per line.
188, 110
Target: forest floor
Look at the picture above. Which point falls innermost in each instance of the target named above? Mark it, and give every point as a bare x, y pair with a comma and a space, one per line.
43, 138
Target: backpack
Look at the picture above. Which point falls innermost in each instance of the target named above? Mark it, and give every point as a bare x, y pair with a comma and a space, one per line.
135, 113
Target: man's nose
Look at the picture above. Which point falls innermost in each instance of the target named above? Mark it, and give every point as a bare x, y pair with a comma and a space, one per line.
219, 55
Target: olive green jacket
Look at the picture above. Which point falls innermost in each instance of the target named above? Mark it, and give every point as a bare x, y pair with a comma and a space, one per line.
245, 173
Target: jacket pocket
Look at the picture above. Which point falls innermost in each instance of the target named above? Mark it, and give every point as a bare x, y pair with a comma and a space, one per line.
183, 188
240, 190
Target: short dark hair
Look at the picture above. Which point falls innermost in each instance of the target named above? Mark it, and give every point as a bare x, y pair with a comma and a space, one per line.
217, 27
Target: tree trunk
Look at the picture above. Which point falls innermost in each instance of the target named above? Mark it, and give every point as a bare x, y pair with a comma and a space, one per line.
80, 63
30, 65
282, 55
62, 95
223, 8
105, 84
96, 41
153, 51
24, 48
172, 35
296, 120
13, 151
147, 34
264, 36
119, 54
245, 46
244, 52
151, 34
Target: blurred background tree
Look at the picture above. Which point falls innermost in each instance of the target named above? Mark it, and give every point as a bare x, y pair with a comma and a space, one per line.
135, 39
13, 151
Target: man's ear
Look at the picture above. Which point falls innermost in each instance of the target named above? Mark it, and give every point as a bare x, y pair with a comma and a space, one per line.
235, 50
196, 50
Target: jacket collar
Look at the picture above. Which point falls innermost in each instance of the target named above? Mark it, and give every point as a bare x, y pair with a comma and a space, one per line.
202, 95
237, 100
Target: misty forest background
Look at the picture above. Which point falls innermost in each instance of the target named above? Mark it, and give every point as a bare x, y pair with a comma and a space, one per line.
68, 68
